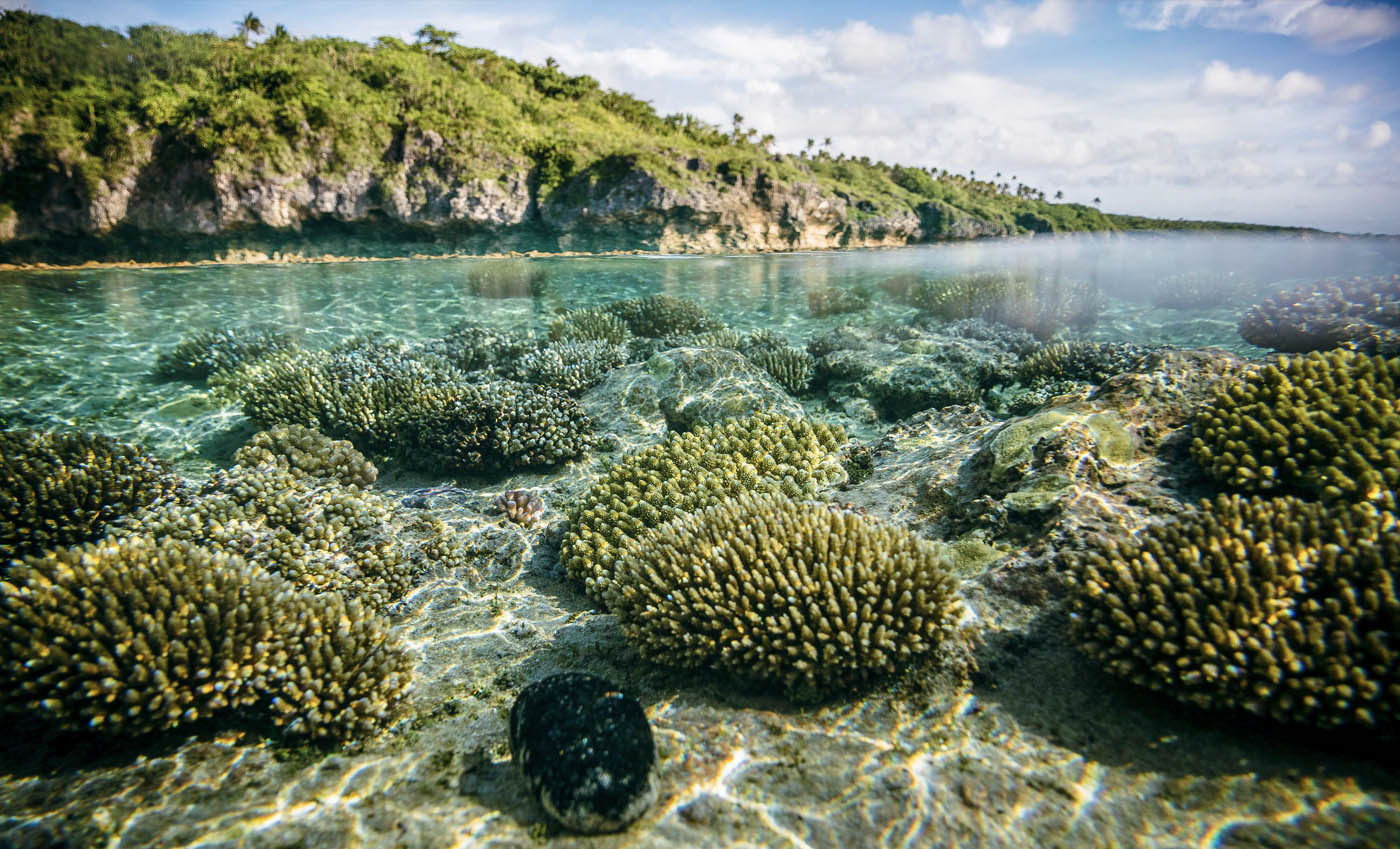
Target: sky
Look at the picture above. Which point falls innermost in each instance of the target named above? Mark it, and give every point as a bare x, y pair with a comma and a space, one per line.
1266, 111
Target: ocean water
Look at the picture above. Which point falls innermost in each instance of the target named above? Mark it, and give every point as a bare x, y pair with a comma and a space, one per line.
1028, 757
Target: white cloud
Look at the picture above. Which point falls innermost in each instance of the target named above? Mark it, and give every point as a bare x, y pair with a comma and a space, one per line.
859, 46
1002, 22
1296, 84
1220, 80
1329, 25
1344, 171
1377, 135
1353, 93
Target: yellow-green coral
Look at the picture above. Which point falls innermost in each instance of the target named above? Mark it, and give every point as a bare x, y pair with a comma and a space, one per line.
765, 452
198, 356
306, 452
1324, 424
1281, 607
803, 594
318, 534
135, 635
61, 489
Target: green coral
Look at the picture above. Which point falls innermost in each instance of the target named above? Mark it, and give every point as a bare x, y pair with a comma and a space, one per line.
475, 347
663, 315
306, 452
319, 535
1323, 424
60, 489
1092, 362
1043, 307
593, 324
1359, 315
825, 302
570, 367
198, 356
389, 398
765, 452
1281, 607
792, 368
803, 594
135, 636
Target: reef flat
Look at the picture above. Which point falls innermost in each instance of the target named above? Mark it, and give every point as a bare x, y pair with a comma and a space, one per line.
1001, 442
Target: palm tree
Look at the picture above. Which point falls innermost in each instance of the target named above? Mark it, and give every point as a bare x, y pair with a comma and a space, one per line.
250, 25
1059, 195
1097, 201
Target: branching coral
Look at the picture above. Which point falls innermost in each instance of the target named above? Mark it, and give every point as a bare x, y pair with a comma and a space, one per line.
762, 453
135, 636
570, 367
1092, 362
1281, 607
802, 594
1325, 424
593, 324
501, 424
792, 368
306, 452
200, 355
61, 489
1043, 307
1359, 315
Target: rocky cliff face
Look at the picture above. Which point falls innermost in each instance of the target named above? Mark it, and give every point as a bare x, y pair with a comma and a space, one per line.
615, 206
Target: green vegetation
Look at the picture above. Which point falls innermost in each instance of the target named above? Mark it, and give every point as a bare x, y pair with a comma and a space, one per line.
89, 105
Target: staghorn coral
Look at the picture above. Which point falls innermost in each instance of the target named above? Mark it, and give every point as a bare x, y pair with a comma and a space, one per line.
765, 452
1092, 362
825, 302
1043, 307
663, 315
501, 425
197, 357
319, 535
1323, 424
60, 489
813, 597
134, 635
474, 347
520, 506
306, 452
571, 367
791, 367
1359, 315
385, 397
1281, 607
593, 324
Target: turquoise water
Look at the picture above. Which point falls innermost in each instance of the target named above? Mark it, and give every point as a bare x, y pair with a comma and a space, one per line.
1044, 749
78, 347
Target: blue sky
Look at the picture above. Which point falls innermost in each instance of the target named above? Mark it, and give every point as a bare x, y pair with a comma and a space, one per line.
1273, 111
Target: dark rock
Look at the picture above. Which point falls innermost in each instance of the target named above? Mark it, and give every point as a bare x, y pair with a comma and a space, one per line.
586, 751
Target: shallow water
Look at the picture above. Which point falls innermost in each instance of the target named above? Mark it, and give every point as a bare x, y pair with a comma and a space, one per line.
1045, 750
78, 347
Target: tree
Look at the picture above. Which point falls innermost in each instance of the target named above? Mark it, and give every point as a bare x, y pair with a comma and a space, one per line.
436, 40
250, 25
1097, 201
1059, 195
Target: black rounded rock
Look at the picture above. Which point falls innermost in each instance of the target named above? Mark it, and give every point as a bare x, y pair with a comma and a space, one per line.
586, 750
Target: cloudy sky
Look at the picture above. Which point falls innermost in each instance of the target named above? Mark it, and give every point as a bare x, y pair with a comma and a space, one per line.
1271, 111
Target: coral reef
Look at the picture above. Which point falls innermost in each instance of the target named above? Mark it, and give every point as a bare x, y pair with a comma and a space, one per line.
586, 751
319, 535
1358, 315
802, 594
1194, 290
502, 424
825, 302
1321, 424
791, 367
663, 315
593, 324
1281, 607
570, 367
306, 452
475, 347
1043, 307
1092, 362
60, 489
520, 506
385, 397
765, 452
135, 635
198, 356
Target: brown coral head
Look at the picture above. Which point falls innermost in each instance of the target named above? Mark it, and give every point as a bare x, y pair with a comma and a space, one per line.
520, 506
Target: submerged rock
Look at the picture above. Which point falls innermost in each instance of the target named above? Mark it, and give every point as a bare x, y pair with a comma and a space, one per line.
586, 750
